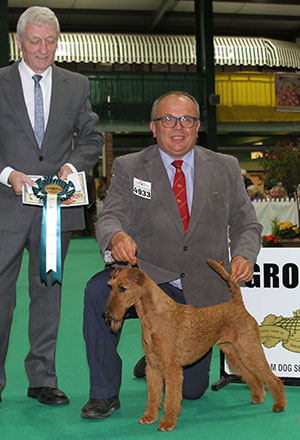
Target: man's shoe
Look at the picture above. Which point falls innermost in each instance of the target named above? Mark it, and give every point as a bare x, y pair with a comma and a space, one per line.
100, 408
47, 395
139, 369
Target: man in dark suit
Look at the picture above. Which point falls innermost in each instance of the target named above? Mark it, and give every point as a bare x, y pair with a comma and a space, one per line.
141, 220
66, 111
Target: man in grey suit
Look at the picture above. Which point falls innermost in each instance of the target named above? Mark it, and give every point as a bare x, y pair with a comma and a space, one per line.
141, 220
65, 111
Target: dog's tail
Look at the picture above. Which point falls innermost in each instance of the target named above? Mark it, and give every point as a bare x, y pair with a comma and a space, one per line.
232, 284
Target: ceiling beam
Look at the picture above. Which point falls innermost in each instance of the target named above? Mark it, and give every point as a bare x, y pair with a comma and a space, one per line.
258, 17
262, 2
163, 7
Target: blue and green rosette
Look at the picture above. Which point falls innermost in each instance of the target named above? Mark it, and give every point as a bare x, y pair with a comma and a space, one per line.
52, 190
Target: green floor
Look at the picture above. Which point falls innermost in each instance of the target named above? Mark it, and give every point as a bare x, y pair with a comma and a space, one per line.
226, 414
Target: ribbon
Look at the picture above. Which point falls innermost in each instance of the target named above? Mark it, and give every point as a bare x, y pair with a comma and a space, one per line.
52, 190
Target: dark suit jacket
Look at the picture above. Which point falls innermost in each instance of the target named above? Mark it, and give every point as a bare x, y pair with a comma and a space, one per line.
164, 252
70, 111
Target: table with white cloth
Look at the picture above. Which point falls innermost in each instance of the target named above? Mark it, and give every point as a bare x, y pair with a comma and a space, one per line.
284, 210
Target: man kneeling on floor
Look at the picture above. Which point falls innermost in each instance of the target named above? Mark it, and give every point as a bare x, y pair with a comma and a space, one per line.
171, 206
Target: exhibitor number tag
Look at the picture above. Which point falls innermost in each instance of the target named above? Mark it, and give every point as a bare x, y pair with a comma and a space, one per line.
141, 188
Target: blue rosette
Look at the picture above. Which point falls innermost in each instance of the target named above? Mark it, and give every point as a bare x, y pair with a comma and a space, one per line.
52, 191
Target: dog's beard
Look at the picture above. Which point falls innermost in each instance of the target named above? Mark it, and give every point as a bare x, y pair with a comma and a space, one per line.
115, 324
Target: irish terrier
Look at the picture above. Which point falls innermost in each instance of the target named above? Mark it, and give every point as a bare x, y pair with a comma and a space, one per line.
175, 335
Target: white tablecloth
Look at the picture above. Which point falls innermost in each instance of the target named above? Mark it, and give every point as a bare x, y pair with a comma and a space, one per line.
267, 210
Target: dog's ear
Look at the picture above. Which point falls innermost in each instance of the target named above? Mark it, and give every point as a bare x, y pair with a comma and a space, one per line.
115, 272
137, 276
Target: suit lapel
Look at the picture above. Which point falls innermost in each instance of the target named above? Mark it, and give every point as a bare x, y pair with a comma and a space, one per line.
202, 178
58, 95
14, 91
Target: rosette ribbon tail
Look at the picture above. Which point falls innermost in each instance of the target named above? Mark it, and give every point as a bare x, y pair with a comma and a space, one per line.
52, 191
50, 250
43, 273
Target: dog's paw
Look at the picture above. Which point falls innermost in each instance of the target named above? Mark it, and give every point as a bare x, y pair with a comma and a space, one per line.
147, 419
167, 423
256, 401
279, 407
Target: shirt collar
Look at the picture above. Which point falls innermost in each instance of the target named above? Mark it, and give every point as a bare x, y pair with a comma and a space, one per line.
28, 73
188, 158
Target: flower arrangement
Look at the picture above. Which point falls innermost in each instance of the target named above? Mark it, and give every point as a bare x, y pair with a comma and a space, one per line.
270, 241
285, 230
280, 231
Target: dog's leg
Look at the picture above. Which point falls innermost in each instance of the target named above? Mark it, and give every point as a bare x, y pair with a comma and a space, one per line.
173, 397
252, 355
258, 364
256, 386
154, 390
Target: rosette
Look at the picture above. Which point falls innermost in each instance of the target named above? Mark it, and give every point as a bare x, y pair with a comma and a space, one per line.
52, 190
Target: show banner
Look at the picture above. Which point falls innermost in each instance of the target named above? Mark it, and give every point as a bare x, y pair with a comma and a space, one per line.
273, 299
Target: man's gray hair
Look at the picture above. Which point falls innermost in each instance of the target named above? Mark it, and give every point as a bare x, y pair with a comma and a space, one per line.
37, 15
178, 93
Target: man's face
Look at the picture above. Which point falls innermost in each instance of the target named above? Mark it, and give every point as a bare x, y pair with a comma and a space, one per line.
176, 141
38, 46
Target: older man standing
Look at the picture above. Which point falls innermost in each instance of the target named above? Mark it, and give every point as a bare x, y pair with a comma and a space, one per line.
171, 206
42, 107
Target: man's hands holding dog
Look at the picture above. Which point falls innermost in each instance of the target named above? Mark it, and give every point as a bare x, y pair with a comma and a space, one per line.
123, 248
241, 269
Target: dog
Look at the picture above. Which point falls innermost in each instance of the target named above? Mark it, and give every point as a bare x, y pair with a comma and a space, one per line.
175, 335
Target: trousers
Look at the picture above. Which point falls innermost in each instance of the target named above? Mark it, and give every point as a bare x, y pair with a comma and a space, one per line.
104, 361
45, 301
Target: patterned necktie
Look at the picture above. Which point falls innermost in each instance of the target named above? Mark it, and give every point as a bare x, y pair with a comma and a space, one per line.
179, 189
38, 110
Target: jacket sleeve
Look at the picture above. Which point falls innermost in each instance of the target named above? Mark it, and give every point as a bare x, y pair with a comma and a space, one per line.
244, 229
118, 208
88, 140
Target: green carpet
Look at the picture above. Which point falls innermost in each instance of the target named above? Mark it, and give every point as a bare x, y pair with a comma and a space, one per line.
226, 414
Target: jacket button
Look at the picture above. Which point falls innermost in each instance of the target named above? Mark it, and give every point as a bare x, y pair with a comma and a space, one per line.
41, 158
185, 248
182, 275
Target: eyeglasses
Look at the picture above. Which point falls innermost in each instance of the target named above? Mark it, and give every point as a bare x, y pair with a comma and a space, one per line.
171, 121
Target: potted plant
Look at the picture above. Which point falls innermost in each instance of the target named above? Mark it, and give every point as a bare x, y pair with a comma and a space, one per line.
286, 232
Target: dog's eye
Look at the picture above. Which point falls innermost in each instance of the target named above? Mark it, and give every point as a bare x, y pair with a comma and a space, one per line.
122, 289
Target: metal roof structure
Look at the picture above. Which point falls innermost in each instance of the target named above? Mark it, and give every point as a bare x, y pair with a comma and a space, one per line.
275, 19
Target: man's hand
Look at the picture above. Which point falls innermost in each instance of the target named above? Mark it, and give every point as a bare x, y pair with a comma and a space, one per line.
241, 269
17, 179
64, 172
123, 248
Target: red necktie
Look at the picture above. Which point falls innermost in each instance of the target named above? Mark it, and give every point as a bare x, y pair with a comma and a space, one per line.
179, 189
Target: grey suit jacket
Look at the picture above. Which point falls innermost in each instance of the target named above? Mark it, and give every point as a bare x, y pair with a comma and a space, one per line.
220, 202
70, 112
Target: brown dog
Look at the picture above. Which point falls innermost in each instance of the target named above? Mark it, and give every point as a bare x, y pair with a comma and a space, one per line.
175, 335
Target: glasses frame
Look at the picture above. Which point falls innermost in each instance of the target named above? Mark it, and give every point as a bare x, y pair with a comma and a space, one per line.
175, 119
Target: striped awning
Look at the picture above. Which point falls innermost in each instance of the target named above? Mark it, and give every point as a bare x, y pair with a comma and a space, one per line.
169, 49
240, 51
284, 53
